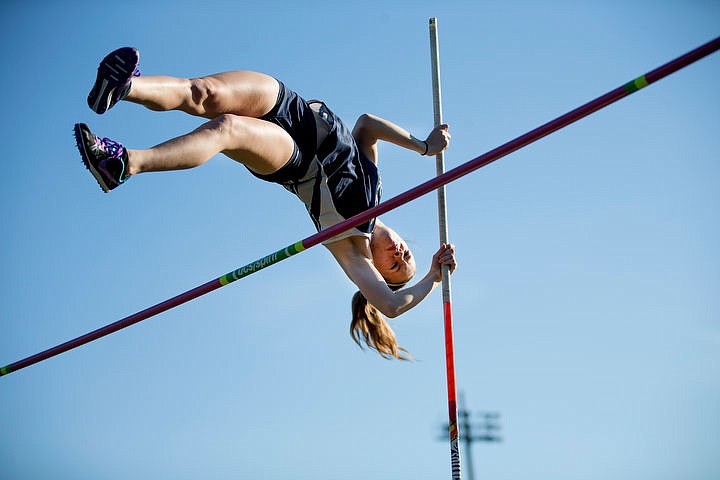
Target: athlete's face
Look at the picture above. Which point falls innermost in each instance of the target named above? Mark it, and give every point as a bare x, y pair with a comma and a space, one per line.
391, 255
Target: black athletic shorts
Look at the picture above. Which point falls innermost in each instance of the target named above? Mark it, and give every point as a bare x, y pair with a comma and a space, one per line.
326, 171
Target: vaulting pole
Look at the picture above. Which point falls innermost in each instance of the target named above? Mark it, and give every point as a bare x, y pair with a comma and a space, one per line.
403, 198
446, 298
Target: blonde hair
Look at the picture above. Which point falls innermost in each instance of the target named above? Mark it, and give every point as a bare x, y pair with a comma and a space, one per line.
369, 327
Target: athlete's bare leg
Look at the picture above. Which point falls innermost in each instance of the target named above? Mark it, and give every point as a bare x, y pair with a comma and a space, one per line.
241, 92
260, 145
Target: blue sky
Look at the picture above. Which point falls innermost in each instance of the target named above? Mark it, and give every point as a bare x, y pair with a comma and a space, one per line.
586, 301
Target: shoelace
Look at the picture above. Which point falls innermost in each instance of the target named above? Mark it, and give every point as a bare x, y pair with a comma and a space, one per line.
113, 148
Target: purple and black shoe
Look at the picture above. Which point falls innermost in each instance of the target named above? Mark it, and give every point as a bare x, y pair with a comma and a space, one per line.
114, 77
106, 159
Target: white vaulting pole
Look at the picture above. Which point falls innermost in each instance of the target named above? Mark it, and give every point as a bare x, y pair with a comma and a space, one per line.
447, 304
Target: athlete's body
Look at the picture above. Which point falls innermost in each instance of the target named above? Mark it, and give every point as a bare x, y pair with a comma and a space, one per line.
258, 122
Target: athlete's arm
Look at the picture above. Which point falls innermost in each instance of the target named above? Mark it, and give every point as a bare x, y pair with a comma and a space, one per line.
360, 269
370, 128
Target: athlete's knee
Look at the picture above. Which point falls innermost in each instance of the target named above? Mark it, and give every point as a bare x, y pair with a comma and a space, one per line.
205, 94
230, 128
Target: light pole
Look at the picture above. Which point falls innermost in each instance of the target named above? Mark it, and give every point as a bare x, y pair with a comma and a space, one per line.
483, 430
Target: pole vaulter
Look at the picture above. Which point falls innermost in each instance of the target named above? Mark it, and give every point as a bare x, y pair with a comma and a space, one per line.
427, 187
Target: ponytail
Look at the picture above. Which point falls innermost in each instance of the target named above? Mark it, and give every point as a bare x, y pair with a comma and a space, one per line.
369, 327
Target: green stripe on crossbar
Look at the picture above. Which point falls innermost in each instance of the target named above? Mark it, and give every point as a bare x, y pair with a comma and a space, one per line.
635, 85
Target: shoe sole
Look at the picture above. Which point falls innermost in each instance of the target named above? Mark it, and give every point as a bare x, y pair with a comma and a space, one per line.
80, 141
114, 70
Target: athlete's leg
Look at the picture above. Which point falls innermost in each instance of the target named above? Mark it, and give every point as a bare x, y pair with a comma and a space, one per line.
261, 146
244, 93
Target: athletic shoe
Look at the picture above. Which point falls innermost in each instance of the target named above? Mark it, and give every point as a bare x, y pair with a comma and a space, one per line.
105, 158
114, 76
